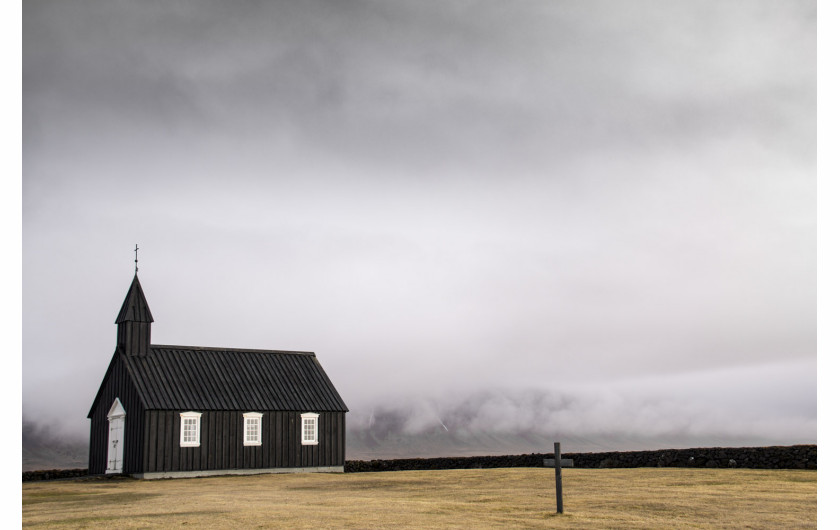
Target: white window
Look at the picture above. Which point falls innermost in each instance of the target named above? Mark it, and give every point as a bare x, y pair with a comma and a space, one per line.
190, 429
309, 430
253, 428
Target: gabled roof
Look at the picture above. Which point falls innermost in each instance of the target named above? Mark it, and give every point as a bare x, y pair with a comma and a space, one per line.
196, 378
135, 308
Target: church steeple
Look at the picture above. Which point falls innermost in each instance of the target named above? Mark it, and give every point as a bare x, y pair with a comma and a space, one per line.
134, 322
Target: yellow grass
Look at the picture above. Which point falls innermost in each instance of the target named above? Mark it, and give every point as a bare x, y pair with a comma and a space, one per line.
508, 498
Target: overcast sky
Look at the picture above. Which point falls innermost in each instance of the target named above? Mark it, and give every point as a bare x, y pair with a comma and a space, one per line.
609, 201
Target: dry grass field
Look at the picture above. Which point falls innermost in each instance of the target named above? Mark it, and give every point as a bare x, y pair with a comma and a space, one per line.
479, 498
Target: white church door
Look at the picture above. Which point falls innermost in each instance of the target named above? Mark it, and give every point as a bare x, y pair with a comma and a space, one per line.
116, 430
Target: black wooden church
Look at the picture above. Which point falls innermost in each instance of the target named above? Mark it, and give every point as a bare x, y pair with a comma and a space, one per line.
181, 411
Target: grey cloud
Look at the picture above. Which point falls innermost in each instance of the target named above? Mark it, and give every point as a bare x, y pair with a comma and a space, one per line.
454, 82
547, 192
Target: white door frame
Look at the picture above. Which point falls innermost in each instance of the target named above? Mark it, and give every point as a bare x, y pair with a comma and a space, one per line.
116, 434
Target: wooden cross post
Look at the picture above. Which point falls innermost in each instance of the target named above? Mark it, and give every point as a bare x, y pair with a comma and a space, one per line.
558, 477
557, 463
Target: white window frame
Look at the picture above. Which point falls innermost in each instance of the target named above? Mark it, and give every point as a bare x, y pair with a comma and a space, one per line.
252, 416
303, 421
190, 416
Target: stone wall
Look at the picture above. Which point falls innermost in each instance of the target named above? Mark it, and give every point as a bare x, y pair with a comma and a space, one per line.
787, 457
52, 474
778, 457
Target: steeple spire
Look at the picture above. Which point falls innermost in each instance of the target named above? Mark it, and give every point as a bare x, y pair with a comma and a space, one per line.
134, 322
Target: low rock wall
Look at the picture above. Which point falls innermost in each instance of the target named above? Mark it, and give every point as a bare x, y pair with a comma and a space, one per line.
52, 474
777, 457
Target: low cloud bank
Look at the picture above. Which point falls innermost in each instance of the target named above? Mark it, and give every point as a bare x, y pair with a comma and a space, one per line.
763, 405
758, 405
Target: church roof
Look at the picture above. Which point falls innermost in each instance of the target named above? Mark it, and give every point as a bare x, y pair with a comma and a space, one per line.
135, 308
196, 378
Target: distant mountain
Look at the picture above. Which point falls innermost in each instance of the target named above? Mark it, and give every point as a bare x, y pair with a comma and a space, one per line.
371, 445
43, 449
418, 431
367, 445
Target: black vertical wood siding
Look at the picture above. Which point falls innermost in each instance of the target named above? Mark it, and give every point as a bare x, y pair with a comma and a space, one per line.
134, 337
222, 445
117, 384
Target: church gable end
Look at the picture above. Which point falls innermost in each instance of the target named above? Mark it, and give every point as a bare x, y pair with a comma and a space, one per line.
116, 385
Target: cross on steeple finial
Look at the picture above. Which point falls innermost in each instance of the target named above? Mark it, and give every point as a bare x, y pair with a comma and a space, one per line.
136, 248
